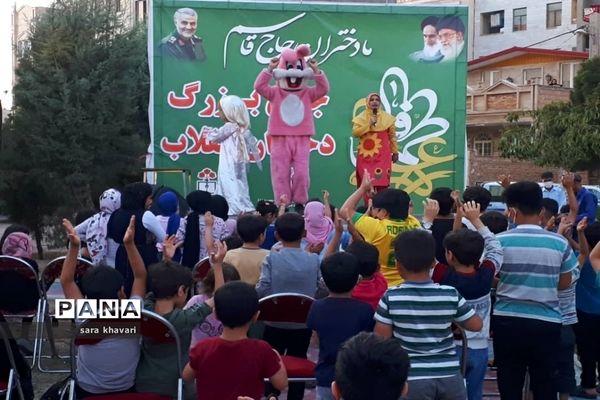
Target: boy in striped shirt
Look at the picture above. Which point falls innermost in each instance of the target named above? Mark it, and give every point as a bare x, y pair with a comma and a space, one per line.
527, 318
419, 313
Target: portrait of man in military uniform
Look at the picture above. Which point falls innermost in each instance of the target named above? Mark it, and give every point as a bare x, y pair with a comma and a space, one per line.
183, 43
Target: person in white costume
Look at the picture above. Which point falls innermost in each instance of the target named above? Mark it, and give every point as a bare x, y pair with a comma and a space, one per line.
238, 147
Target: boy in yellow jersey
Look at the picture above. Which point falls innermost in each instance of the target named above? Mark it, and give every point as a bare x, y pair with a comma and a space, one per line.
389, 219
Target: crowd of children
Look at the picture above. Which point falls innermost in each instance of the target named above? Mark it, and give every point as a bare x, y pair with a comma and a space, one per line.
389, 299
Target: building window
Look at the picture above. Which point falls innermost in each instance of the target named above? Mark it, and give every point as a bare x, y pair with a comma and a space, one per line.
483, 148
492, 22
520, 19
141, 11
568, 72
532, 76
494, 77
553, 15
23, 46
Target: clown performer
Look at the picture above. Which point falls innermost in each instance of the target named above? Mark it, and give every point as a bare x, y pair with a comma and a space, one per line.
291, 122
377, 147
238, 147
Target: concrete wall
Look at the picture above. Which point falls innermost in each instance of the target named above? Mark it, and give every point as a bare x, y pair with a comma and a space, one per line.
536, 26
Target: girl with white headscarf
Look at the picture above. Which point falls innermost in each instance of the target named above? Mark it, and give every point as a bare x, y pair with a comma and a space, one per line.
238, 147
93, 229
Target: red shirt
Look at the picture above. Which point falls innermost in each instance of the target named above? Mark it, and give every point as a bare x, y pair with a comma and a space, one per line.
228, 369
371, 290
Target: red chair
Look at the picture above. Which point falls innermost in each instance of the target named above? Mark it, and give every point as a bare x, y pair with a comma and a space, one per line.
13, 382
152, 327
199, 272
49, 275
20, 294
290, 307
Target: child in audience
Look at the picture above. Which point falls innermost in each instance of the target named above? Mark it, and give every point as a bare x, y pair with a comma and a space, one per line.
318, 224
371, 367
527, 318
192, 230
587, 296
473, 280
219, 207
337, 317
169, 219
565, 379
479, 195
443, 222
211, 327
170, 282
107, 367
136, 199
289, 270
419, 313
268, 210
232, 365
93, 230
390, 210
248, 259
372, 285
495, 221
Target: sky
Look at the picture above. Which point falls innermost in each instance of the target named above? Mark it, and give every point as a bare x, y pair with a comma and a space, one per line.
6, 9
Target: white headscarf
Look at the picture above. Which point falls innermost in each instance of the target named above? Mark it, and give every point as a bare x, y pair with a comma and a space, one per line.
235, 111
110, 201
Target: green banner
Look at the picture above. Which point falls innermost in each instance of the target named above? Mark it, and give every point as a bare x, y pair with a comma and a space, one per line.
414, 57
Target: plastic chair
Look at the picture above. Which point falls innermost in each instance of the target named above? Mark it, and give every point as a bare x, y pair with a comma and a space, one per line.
7, 387
199, 272
49, 275
153, 327
16, 275
290, 307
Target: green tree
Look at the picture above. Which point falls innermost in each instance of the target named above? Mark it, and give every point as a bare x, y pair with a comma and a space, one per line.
565, 134
80, 106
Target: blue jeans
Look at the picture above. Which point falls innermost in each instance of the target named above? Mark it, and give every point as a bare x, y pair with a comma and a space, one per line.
477, 363
324, 393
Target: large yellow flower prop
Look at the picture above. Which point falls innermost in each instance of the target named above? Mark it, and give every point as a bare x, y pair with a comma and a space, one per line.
370, 145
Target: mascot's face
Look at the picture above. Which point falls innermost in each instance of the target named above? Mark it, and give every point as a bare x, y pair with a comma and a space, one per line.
292, 70
292, 82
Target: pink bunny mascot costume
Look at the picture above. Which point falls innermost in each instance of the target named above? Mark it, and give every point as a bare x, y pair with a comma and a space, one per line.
291, 122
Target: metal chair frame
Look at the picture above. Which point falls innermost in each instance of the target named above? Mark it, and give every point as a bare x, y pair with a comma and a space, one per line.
146, 315
265, 318
37, 315
46, 318
13, 376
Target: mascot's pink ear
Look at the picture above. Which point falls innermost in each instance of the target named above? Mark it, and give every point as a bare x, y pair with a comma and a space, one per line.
303, 50
287, 55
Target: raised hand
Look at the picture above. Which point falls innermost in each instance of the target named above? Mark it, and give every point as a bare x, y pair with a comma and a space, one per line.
130, 232
582, 225
71, 233
218, 254
325, 195
209, 220
471, 210
273, 63
366, 184
568, 180
565, 227
170, 245
284, 200
314, 65
431, 209
504, 181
